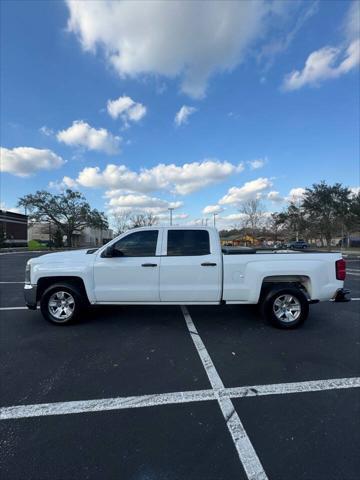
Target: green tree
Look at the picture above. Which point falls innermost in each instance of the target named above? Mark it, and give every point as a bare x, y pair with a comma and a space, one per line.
293, 220
69, 211
327, 207
58, 238
351, 220
2, 237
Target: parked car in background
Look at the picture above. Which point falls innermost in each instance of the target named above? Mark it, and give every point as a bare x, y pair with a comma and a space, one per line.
298, 245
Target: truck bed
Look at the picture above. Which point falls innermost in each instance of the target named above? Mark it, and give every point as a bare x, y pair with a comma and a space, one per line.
251, 250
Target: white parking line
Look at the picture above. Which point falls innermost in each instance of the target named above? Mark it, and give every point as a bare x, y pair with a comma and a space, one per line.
293, 387
13, 308
2, 283
353, 272
104, 404
243, 445
173, 398
28, 252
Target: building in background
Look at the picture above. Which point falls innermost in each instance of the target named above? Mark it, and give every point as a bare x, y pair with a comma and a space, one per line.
92, 237
13, 228
45, 232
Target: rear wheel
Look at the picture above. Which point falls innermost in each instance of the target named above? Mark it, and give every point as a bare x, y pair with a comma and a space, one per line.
61, 304
285, 307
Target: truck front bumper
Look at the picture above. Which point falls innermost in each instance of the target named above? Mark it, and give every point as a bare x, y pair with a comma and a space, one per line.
341, 295
30, 292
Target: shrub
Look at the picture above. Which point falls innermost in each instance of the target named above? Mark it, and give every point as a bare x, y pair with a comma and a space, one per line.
35, 245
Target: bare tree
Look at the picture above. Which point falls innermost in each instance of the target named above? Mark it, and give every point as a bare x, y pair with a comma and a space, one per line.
143, 220
121, 221
254, 214
274, 226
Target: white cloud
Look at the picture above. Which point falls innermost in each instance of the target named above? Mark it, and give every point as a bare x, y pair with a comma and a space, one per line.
126, 108
183, 179
210, 209
190, 40
234, 217
275, 196
24, 161
258, 163
295, 194
249, 190
138, 203
324, 64
295, 15
47, 131
10, 209
330, 62
183, 114
352, 21
65, 183
354, 191
81, 134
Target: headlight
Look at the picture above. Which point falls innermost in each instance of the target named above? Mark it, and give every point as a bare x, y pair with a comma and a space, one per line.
28, 273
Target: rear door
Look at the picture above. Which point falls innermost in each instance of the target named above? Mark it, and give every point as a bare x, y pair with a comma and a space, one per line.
190, 269
132, 274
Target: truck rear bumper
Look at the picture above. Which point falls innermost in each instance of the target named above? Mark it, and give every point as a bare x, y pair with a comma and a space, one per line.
30, 296
341, 295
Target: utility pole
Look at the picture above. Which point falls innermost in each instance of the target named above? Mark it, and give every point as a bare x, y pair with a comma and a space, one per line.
214, 219
170, 210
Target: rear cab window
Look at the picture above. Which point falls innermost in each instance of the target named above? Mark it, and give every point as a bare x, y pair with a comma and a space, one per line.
188, 243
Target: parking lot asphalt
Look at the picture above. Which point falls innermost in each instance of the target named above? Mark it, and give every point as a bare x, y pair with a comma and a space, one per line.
116, 365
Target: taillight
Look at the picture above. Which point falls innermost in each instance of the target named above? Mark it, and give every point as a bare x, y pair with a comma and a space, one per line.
340, 266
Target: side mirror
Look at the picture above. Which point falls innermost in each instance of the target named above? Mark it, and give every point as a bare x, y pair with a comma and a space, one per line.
108, 252
111, 252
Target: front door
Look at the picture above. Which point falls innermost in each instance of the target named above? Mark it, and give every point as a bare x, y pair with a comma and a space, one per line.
132, 273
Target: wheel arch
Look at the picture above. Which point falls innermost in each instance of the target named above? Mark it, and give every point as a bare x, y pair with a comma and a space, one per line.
278, 282
45, 282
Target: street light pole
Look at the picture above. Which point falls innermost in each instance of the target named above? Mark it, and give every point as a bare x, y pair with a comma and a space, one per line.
170, 210
214, 219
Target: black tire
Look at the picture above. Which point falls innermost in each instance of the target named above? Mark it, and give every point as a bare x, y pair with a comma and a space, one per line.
271, 310
70, 291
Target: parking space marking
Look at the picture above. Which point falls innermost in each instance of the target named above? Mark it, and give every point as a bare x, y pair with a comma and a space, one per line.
353, 274
173, 398
28, 252
13, 308
4, 283
243, 445
293, 387
104, 404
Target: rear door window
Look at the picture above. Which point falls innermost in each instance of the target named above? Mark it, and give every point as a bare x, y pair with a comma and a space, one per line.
188, 243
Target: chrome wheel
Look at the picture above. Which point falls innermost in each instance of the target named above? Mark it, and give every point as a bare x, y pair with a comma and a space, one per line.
61, 305
287, 308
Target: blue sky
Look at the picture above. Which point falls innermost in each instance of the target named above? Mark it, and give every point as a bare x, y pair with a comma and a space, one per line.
190, 105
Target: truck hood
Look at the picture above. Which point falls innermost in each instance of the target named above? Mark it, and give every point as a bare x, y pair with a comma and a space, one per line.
70, 255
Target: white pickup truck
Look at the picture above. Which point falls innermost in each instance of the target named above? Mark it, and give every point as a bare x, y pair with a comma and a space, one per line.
182, 265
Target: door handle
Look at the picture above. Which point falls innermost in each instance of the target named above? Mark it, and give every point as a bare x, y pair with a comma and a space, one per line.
149, 265
208, 264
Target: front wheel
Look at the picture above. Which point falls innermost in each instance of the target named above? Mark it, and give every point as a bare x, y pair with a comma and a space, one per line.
61, 304
286, 308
